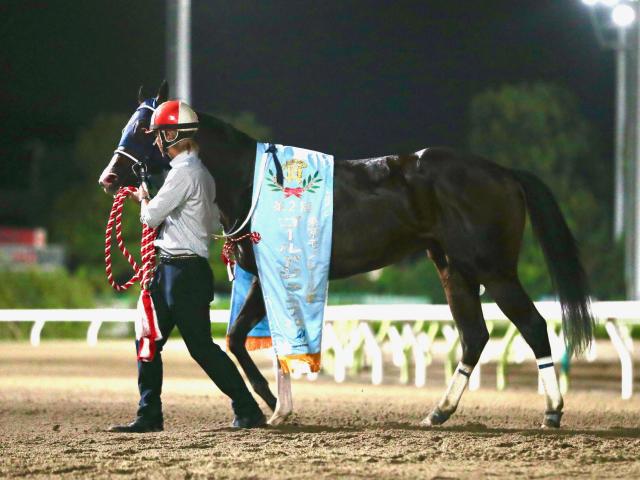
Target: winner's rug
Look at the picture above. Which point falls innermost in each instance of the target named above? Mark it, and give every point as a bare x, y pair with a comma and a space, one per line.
294, 219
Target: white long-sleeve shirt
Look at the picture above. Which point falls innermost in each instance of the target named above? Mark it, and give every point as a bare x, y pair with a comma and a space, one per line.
186, 205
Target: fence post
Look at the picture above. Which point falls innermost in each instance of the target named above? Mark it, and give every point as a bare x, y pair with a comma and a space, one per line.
374, 352
92, 332
626, 362
426, 342
36, 330
332, 342
452, 339
501, 369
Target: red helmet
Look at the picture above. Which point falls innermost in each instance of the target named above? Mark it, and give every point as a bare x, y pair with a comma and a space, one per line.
175, 120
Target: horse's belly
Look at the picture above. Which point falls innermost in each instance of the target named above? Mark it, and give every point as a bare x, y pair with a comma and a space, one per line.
368, 241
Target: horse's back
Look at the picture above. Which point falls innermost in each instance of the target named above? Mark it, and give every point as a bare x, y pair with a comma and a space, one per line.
375, 222
389, 207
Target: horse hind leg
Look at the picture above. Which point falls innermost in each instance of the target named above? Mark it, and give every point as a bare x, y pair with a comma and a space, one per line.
251, 313
518, 307
462, 293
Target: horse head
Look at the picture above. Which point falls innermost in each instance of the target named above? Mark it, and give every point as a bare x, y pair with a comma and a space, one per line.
136, 152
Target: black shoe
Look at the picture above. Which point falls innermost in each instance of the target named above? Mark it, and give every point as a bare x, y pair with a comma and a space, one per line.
139, 425
255, 420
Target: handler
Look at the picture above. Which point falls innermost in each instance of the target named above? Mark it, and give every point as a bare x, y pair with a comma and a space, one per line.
182, 286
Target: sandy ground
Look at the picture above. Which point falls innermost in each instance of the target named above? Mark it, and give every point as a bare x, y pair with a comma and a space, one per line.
56, 400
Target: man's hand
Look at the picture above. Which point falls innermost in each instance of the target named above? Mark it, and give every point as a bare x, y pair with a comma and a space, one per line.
140, 194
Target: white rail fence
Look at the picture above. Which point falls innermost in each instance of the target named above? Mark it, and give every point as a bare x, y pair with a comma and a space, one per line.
409, 332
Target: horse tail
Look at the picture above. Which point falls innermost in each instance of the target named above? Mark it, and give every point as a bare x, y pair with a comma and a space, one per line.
563, 261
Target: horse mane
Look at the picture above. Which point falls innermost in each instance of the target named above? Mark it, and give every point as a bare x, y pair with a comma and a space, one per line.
228, 131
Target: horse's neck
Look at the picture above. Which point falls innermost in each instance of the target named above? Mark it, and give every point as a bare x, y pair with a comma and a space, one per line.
230, 156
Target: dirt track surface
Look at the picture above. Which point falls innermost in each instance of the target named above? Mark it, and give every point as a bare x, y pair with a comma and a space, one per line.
56, 400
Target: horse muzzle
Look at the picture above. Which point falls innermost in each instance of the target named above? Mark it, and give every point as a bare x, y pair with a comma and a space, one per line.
108, 182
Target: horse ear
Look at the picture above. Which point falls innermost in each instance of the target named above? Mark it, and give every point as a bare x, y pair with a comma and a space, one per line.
141, 94
163, 92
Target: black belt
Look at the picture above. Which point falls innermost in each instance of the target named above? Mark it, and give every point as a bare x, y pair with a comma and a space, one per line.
164, 258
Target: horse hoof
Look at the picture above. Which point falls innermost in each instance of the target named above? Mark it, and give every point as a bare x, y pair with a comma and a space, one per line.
435, 418
278, 418
552, 420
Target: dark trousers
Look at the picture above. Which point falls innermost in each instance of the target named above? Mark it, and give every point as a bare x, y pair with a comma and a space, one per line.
182, 290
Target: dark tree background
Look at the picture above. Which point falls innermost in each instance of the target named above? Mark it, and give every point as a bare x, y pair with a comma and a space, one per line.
523, 83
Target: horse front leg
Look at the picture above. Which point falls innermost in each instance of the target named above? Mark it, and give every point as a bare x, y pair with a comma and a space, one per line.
251, 313
284, 407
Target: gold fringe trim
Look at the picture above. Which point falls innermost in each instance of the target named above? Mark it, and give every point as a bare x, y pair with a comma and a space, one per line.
255, 343
288, 361
258, 343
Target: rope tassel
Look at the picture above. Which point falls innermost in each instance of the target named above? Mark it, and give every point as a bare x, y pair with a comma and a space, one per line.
147, 329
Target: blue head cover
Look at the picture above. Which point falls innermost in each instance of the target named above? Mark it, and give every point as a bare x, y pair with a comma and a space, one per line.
141, 146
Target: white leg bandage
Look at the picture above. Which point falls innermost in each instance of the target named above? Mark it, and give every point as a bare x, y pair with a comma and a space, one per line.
549, 380
284, 406
285, 398
457, 384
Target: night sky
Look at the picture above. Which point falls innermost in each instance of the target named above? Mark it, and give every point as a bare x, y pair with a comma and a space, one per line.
351, 78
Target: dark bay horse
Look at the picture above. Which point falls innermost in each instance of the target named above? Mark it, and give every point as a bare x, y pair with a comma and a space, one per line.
467, 213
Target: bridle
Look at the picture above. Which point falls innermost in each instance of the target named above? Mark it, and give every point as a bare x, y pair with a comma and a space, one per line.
139, 168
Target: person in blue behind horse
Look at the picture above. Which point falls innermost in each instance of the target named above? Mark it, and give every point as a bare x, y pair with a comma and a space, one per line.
182, 287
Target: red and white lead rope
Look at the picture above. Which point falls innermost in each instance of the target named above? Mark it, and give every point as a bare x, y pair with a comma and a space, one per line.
147, 329
227, 255
147, 250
